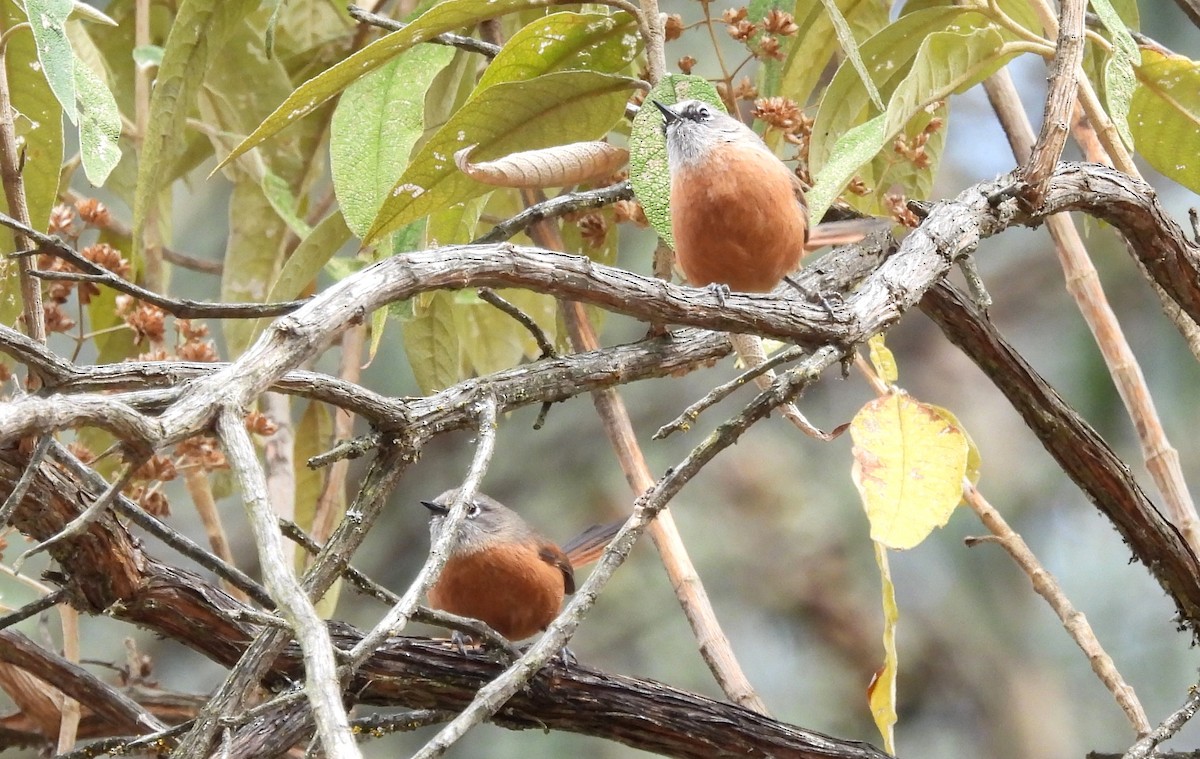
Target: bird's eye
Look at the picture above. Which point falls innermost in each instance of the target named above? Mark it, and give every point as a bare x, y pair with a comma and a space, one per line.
472, 510
703, 113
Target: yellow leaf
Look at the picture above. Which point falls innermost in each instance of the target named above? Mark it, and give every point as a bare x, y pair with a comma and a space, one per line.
909, 461
881, 693
883, 360
974, 460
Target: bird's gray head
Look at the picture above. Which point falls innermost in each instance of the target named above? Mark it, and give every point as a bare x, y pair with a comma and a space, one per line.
487, 521
692, 127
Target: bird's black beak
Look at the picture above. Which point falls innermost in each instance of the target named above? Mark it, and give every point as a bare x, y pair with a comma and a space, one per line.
436, 508
669, 115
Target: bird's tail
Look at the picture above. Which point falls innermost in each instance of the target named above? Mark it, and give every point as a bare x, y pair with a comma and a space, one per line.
587, 546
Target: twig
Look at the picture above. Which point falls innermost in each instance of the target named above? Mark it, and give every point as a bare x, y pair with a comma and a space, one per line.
492, 696
489, 295
399, 615
92, 272
321, 681
32, 608
127, 745
89, 515
331, 505
22, 487
685, 420
470, 44
68, 726
554, 207
1060, 102
1145, 747
1073, 621
14, 193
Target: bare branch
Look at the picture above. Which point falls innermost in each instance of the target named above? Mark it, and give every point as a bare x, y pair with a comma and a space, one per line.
554, 207
1060, 101
1145, 747
321, 681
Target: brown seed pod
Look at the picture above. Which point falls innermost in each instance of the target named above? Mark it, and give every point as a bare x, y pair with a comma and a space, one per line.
551, 167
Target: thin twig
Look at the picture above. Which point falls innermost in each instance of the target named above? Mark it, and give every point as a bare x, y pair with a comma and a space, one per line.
14, 193
489, 295
321, 682
399, 615
22, 486
89, 515
685, 420
1060, 101
32, 608
469, 44
92, 272
1073, 621
1145, 747
555, 207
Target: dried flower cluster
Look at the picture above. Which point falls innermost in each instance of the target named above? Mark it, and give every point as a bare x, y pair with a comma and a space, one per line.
761, 39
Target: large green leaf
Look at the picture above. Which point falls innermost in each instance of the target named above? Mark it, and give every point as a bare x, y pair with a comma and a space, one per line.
563, 42
811, 48
888, 56
198, 33
849, 46
947, 62
648, 171
443, 17
47, 19
99, 125
562, 107
1165, 116
375, 125
252, 258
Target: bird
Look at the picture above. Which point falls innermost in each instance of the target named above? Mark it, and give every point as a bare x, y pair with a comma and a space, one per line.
505, 573
738, 213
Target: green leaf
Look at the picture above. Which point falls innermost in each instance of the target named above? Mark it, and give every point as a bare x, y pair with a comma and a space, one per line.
252, 259
431, 341
1119, 79
854, 149
148, 56
565, 42
99, 125
888, 56
375, 125
84, 12
648, 171
443, 17
39, 131
562, 107
279, 194
310, 257
810, 50
947, 62
46, 20
850, 48
198, 33
1165, 116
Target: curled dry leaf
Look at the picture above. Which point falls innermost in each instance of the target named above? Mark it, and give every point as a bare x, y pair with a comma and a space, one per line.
551, 167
